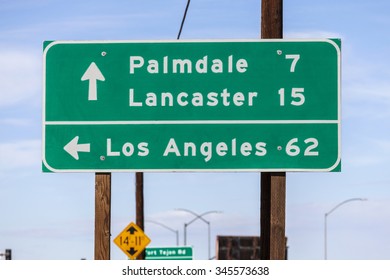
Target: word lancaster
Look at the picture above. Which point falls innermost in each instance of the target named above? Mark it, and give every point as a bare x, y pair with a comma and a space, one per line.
196, 99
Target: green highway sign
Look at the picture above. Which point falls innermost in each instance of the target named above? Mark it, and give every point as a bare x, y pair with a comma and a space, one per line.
168, 253
257, 105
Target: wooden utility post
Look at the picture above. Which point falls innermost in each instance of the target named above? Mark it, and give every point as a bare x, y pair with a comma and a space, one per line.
273, 185
272, 19
139, 202
102, 215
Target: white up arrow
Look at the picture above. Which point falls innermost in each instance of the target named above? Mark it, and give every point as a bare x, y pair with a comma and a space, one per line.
92, 75
73, 148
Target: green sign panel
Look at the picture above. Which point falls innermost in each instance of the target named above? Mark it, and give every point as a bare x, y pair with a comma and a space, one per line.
261, 105
169, 253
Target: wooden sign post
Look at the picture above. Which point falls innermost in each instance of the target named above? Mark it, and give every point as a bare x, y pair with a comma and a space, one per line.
139, 205
273, 185
102, 215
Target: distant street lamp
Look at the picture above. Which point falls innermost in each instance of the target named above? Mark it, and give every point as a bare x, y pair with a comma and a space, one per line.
168, 228
326, 217
7, 254
197, 216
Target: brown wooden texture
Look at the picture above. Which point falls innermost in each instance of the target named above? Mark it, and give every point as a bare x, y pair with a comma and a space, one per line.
139, 197
102, 215
271, 19
273, 185
273, 216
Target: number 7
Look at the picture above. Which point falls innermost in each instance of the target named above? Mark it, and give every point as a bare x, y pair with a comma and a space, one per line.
295, 58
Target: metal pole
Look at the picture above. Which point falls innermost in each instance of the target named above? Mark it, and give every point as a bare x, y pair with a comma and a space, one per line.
208, 224
185, 234
326, 222
325, 236
197, 216
168, 228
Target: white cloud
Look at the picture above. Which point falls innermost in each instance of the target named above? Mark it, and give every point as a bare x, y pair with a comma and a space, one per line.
360, 161
20, 76
312, 34
367, 152
16, 122
369, 89
19, 154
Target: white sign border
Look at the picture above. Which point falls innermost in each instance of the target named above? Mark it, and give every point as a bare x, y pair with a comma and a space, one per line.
95, 170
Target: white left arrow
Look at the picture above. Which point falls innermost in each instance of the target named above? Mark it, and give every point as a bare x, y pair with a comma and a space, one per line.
92, 74
73, 148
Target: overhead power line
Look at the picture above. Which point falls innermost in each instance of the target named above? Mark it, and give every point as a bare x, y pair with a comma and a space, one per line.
183, 20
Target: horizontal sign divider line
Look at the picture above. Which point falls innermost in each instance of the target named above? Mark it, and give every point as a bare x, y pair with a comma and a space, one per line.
191, 122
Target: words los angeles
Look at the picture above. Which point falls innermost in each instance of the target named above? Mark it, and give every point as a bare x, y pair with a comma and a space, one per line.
207, 150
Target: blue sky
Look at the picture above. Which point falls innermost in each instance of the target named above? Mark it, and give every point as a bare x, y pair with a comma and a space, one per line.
51, 216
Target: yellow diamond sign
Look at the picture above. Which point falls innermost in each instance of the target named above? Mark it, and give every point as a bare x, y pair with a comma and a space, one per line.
132, 241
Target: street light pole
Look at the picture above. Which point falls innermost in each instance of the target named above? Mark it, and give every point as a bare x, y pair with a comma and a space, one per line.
168, 228
326, 221
197, 216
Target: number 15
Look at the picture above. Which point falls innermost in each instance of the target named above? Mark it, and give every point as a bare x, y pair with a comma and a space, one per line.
296, 94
